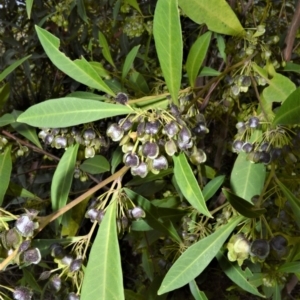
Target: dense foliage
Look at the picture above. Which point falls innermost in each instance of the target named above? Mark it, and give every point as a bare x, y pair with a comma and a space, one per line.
149, 149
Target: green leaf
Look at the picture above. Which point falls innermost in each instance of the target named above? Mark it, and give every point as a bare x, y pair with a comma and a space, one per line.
98, 67
152, 217
221, 46
290, 267
168, 42
293, 200
13, 66
196, 57
29, 4
95, 165
197, 257
211, 188
67, 112
289, 112
292, 67
197, 294
207, 71
18, 191
116, 159
247, 179
81, 10
63, 177
6, 120
139, 82
79, 70
242, 206
147, 263
129, 61
237, 275
5, 171
103, 274
4, 94
31, 280
131, 295
188, 184
86, 95
134, 4
105, 48
25, 130
216, 14
280, 87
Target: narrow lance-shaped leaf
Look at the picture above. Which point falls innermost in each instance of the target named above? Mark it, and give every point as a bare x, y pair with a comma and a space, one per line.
95, 165
79, 70
5, 171
129, 61
103, 274
216, 14
196, 57
168, 42
29, 4
6, 119
67, 111
237, 275
63, 177
212, 187
196, 258
188, 184
13, 66
105, 48
197, 294
289, 112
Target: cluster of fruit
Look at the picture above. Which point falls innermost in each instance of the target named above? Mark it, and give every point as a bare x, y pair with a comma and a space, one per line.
64, 137
62, 11
150, 137
270, 144
134, 26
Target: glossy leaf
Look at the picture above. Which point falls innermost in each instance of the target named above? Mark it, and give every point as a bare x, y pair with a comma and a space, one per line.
67, 112
5, 171
196, 258
196, 57
152, 217
247, 179
289, 112
290, 267
188, 184
86, 95
29, 4
293, 201
105, 48
63, 177
25, 130
6, 119
197, 294
237, 275
12, 67
242, 206
212, 187
95, 165
103, 274
129, 61
100, 69
280, 87
168, 42
216, 14
79, 69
